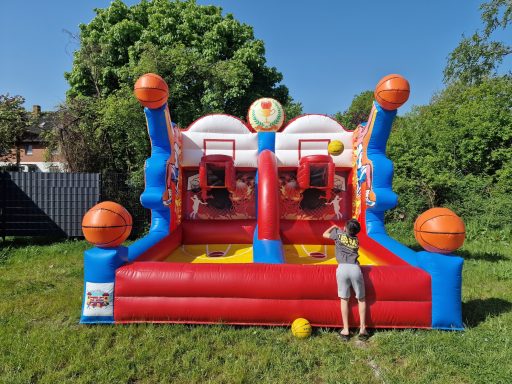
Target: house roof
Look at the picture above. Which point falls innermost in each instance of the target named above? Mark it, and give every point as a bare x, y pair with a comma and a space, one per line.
46, 121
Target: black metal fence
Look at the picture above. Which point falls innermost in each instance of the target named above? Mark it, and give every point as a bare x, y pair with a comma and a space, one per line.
116, 187
53, 204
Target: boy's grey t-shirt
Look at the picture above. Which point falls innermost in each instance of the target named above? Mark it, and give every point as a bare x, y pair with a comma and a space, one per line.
346, 246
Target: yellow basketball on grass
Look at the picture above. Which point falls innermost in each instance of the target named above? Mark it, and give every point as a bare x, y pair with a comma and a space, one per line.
301, 328
335, 148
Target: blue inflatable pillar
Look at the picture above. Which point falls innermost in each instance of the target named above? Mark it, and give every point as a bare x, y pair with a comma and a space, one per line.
446, 274
100, 266
158, 121
268, 251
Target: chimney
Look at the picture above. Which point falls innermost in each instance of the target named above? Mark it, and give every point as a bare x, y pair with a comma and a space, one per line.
36, 111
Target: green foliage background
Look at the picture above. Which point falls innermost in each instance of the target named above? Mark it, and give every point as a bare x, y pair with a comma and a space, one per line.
212, 63
457, 152
454, 152
13, 122
357, 112
480, 56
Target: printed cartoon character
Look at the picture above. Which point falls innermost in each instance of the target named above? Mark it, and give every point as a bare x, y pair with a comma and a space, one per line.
195, 206
364, 166
97, 300
336, 206
172, 176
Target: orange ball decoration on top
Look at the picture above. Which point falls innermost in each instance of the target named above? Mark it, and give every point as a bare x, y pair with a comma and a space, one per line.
392, 92
107, 224
439, 230
151, 91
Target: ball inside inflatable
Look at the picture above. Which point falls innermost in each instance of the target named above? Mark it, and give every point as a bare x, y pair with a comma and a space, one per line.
151, 91
392, 92
335, 148
439, 230
107, 224
301, 328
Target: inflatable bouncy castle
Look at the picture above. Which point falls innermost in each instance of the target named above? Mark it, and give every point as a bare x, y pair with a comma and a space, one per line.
238, 209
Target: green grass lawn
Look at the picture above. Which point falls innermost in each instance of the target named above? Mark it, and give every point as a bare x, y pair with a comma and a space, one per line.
42, 342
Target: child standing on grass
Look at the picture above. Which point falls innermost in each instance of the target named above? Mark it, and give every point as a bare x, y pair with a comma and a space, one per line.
349, 273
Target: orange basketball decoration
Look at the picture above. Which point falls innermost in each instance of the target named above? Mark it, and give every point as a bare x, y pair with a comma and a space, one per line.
392, 92
440, 230
151, 91
107, 224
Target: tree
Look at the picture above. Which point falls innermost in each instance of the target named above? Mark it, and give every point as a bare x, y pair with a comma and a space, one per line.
78, 136
478, 57
212, 63
104, 134
14, 119
357, 112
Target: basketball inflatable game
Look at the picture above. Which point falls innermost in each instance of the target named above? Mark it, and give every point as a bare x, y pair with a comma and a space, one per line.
238, 209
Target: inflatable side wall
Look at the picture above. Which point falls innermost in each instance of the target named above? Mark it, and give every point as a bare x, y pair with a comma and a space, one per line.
100, 264
374, 195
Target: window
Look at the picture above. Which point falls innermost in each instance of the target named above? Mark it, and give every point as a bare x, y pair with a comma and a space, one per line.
32, 168
28, 149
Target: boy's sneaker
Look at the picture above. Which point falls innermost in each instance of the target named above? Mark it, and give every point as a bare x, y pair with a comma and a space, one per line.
344, 337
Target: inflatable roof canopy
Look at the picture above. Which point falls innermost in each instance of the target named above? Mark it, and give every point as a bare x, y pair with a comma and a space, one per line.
238, 210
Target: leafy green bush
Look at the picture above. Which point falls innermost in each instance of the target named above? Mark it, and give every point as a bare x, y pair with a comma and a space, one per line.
457, 152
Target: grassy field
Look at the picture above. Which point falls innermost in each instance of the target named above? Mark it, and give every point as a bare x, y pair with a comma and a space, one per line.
42, 342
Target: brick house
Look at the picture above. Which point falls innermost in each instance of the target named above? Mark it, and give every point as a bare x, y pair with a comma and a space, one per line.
34, 155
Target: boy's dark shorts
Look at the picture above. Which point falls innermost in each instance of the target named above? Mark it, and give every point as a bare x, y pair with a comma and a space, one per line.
348, 275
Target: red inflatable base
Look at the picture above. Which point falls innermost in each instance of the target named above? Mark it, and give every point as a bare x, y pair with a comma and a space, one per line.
266, 294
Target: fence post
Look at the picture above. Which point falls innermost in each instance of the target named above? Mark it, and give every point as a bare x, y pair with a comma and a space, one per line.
100, 185
2, 205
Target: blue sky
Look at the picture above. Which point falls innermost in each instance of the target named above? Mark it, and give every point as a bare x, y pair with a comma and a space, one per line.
328, 51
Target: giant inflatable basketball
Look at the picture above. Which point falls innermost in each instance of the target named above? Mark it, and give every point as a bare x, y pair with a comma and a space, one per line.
440, 230
107, 224
151, 90
392, 92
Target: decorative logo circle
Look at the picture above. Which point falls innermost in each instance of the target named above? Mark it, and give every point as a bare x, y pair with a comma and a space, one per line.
266, 115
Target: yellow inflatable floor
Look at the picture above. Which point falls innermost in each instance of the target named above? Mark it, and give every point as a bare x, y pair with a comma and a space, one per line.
242, 253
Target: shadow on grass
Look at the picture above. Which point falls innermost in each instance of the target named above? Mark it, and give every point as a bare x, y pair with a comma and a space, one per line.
485, 256
13, 243
478, 310
469, 255
416, 247
22, 242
